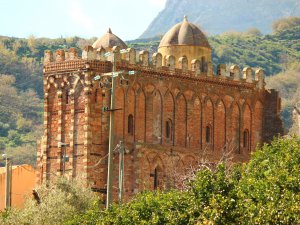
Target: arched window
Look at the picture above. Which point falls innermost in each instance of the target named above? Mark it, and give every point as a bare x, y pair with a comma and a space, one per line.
96, 95
246, 139
169, 129
130, 124
156, 178
67, 97
208, 134
203, 64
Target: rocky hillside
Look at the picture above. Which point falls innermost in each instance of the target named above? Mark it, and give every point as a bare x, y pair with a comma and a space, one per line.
217, 16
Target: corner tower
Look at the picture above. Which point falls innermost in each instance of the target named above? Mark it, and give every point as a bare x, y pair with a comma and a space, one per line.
186, 40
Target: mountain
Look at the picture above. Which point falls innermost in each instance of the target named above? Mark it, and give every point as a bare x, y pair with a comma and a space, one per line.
217, 16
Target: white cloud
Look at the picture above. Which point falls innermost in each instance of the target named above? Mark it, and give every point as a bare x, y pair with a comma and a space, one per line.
79, 16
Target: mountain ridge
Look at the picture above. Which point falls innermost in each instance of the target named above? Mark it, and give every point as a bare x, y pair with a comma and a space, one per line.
216, 16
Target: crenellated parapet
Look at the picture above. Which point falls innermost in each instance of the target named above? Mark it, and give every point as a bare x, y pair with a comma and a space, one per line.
141, 61
157, 60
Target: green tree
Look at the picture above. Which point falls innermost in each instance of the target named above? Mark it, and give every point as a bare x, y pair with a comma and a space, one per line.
59, 201
285, 24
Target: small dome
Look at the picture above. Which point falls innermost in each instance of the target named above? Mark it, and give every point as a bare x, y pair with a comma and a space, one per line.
184, 33
109, 40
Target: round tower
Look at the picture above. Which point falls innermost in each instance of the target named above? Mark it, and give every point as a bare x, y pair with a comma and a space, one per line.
186, 39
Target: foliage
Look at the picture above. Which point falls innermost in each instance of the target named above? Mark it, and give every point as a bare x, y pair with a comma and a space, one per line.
20, 120
60, 201
269, 52
288, 85
264, 191
285, 24
21, 91
24, 154
269, 190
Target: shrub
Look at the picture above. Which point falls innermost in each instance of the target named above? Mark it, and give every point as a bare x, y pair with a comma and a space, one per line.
60, 201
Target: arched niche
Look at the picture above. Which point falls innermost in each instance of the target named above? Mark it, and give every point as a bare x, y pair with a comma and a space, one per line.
168, 118
257, 125
157, 117
208, 121
181, 121
130, 115
220, 123
194, 123
234, 137
140, 116
246, 131
119, 114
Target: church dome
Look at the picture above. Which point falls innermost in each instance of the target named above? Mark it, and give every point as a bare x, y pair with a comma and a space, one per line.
109, 40
184, 33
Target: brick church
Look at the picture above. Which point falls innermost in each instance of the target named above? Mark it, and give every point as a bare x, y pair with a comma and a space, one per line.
175, 112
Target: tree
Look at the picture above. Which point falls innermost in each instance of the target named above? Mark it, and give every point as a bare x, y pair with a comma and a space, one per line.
285, 24
253, 32
59, 201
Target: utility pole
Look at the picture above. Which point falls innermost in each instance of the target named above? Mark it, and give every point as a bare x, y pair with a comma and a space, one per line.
121, 171
113, 75
111, 135
8, 183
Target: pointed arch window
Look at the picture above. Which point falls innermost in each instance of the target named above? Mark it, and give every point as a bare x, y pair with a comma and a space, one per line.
67, 97
169, 129
203, 64
208, 134
96, 96
130, 124
246, 139
156, 178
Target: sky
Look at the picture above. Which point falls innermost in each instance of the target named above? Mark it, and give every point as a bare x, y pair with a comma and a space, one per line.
128, 19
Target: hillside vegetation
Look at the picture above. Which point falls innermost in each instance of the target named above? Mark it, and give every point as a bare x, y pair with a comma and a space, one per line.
21, 92
21, 81
217, 16
288, 84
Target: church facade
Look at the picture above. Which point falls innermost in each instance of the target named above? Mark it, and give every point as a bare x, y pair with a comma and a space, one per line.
172, 114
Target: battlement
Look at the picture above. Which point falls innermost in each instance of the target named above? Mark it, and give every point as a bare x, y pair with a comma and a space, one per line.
129, 58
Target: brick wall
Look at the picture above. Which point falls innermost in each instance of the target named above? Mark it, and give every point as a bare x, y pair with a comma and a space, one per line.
177, 120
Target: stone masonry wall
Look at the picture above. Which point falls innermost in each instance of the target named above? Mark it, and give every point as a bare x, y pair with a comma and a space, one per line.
169, 120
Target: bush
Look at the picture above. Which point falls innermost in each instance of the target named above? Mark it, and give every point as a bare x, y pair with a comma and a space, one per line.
285, 24
60, 201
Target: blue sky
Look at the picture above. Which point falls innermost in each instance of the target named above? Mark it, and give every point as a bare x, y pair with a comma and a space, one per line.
84, 18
